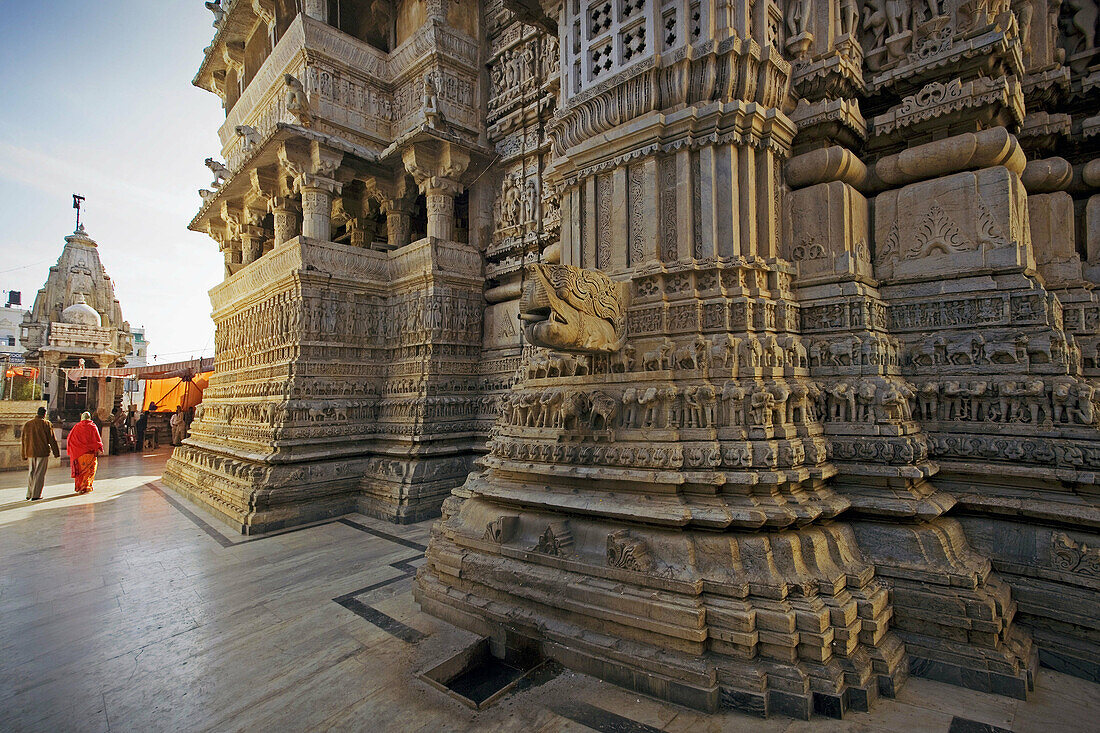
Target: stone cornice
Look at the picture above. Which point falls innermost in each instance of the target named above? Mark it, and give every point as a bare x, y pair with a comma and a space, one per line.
738, 123
301, 257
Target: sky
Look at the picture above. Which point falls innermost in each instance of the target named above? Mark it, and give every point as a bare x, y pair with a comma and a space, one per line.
97, 99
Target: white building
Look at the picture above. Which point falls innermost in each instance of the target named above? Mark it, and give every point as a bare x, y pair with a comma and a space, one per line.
133, 389
11, 317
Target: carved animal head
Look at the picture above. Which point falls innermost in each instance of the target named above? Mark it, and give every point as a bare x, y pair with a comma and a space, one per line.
571, 309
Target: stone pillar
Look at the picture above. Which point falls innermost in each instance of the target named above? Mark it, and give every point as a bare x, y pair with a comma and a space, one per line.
313, 169
252, 235
252, 243
284, 210
317, 193
441, 208
437, 171
398, 222
316, 9
1090, 174
233, 257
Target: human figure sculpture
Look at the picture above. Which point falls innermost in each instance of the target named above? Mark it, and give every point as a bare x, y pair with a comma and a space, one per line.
761, 406
849, 16
897, 16
1084, 22
874, 21
799, 13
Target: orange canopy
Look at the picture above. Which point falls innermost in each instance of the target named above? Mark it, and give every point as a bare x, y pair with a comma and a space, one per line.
168, 394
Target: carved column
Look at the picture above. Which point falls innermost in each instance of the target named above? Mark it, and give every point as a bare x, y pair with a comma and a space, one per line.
284, 210
437, 172
231, 245
314, 171
396, 198
252, 234
317, 193
398, 222
441, 208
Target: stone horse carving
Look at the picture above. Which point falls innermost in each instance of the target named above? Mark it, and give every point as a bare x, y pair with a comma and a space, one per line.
572, 309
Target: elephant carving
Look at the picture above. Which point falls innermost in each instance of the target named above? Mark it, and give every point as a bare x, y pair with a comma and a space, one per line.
572, 309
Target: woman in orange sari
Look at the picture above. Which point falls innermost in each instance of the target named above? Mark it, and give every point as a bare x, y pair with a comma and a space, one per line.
83, 445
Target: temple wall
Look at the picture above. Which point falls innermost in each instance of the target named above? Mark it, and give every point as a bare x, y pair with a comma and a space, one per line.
771, 327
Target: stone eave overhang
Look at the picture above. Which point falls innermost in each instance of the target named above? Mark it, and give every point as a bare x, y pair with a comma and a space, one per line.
424, 133
78, 351
239, 19
266, 153
542, 15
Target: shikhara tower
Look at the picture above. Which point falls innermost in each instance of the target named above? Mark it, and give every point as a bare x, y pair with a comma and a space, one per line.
77, 318
772, 324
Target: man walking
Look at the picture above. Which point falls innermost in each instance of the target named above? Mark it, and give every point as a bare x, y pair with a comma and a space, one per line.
38, 442
139, 430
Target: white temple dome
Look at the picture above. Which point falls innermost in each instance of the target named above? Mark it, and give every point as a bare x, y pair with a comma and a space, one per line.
81, 314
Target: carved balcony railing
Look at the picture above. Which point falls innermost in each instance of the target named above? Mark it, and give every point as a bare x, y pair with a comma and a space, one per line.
356, 91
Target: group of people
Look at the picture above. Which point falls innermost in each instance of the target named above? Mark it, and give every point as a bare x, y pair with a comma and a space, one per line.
84, 444
128, 429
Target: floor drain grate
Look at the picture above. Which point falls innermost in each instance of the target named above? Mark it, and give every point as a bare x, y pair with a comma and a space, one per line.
476, 678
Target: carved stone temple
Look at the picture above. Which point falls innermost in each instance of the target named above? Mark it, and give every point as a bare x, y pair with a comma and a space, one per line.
750, 349
77, 321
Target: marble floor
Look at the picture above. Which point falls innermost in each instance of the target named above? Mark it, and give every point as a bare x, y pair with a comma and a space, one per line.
129, 609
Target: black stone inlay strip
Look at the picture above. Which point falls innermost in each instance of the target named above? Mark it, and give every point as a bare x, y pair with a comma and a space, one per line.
221, 538
384, 535
403, 565
962, 725
599, 719
387, 623
369, 588
195, 519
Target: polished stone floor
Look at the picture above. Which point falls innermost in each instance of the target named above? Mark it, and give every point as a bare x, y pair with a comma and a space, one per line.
128, 609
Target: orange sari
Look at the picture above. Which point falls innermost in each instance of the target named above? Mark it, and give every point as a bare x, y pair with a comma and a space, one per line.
84, 470
82, 445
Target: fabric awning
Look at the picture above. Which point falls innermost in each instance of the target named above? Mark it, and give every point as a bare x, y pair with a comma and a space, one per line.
175, 370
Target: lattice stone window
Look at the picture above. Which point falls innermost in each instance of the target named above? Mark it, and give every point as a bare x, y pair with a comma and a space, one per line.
600, 58
669, 29
696, 16
632, 43
775, 26
599, 19
631, 9
606, 36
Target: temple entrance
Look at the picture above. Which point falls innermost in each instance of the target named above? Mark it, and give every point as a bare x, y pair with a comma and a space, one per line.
73, 397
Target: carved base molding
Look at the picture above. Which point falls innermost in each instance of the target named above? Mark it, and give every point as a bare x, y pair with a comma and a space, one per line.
410, 488
791, 622
255, 498
953, 612
330, 359
1054, 572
